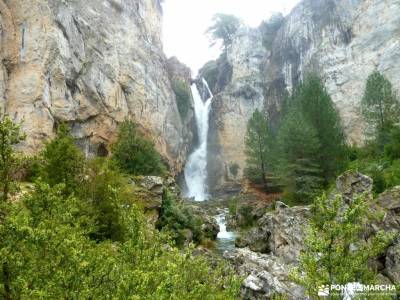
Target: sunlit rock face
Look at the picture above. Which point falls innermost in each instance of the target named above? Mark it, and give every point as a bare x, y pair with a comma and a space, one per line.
92, 64
342, 40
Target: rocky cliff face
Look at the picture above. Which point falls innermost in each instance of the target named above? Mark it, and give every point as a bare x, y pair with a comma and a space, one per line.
342, 40
91, 64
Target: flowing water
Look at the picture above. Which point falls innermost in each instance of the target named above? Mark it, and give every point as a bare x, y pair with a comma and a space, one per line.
225, 239
196, 167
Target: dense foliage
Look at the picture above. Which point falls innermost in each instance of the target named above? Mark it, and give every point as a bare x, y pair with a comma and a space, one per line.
309, 148
224, 28
380, 107
62, 161
10, 135
180, 220
297, 163
258, 141
135, 154
334, 252
92, 241
380, 157
183, 95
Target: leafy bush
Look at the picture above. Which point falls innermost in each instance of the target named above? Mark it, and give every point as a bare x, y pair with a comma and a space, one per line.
334, 252
179, 220
10, 135
183, 96
392, 148
233, 206
104, 190
46, 253
63, 162
135, 154
246, 218
234, 169
392, 174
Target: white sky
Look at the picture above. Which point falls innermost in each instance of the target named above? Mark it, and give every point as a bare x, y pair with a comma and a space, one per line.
185, 22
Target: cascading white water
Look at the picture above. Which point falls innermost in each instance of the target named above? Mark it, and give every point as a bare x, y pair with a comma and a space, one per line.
196, 166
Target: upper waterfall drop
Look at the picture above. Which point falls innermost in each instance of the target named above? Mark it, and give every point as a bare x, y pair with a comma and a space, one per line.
196, 166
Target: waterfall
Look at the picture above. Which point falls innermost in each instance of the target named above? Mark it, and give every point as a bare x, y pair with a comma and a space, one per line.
196, 166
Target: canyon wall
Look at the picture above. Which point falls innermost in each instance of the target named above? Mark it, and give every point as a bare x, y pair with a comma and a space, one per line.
341, 40
91, 64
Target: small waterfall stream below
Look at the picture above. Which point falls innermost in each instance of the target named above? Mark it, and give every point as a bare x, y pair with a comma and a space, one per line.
225, 239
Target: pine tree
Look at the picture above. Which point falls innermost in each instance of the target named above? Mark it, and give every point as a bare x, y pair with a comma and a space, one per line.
258, 148
224, 28
298, 166
63, 161
314, 102
380, 107
135, 154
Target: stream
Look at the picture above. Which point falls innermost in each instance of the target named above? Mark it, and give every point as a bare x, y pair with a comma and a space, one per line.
225, 239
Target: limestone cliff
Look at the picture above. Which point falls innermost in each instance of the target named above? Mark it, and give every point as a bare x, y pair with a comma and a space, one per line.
92, 64
342, 40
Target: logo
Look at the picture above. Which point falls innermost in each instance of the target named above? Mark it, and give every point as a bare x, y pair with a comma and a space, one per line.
323, 291
350, 290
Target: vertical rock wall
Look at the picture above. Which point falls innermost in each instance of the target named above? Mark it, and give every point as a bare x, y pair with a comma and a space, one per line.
92, 64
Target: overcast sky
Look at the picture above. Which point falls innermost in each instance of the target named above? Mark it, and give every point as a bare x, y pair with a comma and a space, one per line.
185, 22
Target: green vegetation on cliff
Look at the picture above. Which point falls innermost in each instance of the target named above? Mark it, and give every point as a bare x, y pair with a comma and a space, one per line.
224, 28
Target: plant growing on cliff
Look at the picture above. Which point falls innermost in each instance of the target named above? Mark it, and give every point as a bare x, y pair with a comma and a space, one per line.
62, 161
135, 154
183, 95
334, 252
224, 28
380, 107
10, 135
258, 142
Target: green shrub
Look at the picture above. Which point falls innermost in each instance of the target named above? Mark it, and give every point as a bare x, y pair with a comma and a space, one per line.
392, 174
233, 205
135, 154
234, 169
246, 216
104, 190
183, 96
392, 148
180, 220
333, 251
63, 162
46, 253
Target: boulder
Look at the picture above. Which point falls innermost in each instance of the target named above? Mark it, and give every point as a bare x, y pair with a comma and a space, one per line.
152, 183
352, 183
266, 275
392, 262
